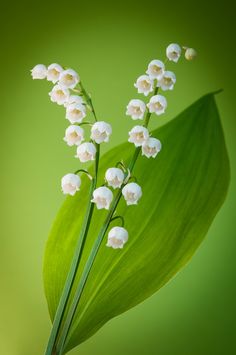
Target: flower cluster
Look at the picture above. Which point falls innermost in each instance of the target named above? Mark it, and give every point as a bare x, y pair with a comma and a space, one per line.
63, 93
69, 93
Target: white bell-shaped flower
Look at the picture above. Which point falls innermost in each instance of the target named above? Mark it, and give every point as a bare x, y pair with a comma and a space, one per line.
59, 95
86, 152
102, 197
157, 104
138, 135
100, 132
54, 71
144, 84
74, 135
39, 71
136, 109
68, 79
156, 69
190, 53
74, 99
173, 52
117, 237
151, 147
132, 193
167, 81
75, 113
114, 177
70, 183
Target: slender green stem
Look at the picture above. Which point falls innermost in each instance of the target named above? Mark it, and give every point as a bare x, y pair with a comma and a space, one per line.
51, 346
71, 276
88, 99
118, 217
88, 266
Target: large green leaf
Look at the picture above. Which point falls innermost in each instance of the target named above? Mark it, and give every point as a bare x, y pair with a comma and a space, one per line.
183, 188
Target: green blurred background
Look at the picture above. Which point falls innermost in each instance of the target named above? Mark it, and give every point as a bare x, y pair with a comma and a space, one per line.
110, 44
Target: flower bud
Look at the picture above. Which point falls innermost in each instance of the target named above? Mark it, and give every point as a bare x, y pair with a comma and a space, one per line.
54, 71
156, 69
173, 52
138, 135
74, 99
75, 113
114, 177
59, 95
39, 71
190, 54
70, 183
132, 193
102, 197
144, 85
68, 79
167, 81
86, 152
136, 109
117, 237
100, 132
74, 135
151, 147
157, 104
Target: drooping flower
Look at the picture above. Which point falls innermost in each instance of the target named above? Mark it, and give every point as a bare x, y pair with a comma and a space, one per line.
136, 109
114, 177
144, 85
68, 79
86, 152
70, 183
100, 132
151, 147
156, 69
132, 193
59, 95
74, 99
173, 52
102, 197
117, 237
75, 113
157, 104
190, 53
39, 71
54, 71
74, 135
138, 135
167, 81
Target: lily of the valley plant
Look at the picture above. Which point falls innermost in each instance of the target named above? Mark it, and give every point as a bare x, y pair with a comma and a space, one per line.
107, 188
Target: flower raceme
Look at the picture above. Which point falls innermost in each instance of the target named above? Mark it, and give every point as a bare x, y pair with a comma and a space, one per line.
69, 92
